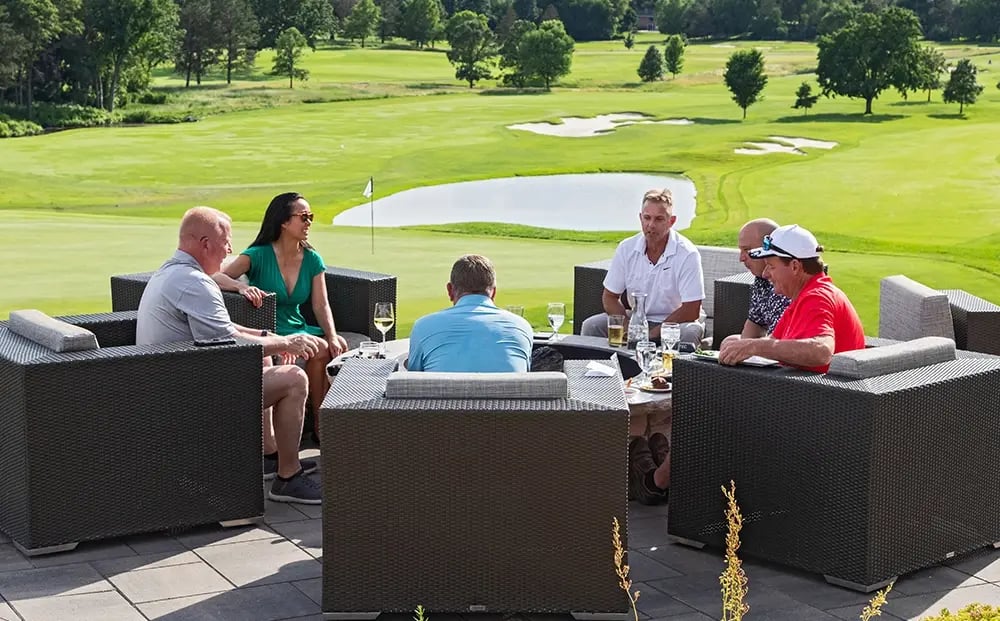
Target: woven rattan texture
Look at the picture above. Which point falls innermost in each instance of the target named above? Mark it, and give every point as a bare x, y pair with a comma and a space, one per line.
977, 322
126, 292
111, 329
862, 480
126, 440
732, 303
466, 506
588, 287
353, 295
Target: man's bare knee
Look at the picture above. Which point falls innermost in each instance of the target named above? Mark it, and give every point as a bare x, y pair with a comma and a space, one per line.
282, 382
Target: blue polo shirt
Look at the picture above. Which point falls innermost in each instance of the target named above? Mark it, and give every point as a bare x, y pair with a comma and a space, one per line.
471, 336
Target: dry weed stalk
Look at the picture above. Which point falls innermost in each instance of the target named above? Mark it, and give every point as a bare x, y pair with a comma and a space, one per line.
621, 568
420, 616
733, 578
874, 607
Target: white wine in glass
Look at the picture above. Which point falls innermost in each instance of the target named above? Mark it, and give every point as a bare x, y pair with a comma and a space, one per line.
557, 315
384, 319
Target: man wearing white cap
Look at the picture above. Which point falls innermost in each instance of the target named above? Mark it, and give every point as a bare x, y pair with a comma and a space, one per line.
819, 322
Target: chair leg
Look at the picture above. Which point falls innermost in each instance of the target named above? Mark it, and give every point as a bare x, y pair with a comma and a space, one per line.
63, 547
250, 521
854, 586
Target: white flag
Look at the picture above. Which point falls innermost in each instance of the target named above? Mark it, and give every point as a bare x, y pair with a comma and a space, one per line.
368, 188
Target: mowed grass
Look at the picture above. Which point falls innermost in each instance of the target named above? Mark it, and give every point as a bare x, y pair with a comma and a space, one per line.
910, 190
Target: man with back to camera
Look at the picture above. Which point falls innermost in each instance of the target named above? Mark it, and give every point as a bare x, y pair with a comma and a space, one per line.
766, 305
661, 263
473, 335
183, 303
818, 323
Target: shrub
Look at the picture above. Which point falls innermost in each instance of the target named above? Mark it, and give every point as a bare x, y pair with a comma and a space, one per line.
972, 612
15, 128
67, 115
147, 116
155, 99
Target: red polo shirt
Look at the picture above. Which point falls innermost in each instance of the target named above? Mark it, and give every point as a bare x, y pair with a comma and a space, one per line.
821, 309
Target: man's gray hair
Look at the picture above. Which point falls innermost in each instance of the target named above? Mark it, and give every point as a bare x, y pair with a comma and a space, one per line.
473, 273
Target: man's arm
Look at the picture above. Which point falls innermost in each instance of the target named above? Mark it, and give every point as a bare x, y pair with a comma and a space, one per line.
612, 303
752, 330
812, 352
687, 311
304, 345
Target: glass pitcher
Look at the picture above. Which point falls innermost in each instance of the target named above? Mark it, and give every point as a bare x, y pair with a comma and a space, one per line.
638, 327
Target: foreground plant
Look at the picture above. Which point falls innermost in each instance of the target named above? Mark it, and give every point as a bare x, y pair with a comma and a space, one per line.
419, 614
733, 578
874, 607
621, 568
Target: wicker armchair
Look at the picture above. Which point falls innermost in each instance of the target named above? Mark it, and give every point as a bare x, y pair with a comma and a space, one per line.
857, 479
588, 284
461, 503
125, 439
352, 293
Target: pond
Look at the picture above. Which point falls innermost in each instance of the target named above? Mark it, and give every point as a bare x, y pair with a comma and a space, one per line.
585, 202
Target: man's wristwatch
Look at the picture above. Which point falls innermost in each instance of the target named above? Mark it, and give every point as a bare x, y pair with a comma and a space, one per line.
264, 333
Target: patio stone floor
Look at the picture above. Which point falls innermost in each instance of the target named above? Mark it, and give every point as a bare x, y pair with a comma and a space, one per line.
272, 572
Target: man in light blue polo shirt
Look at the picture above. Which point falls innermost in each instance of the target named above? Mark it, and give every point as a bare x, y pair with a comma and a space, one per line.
473, 335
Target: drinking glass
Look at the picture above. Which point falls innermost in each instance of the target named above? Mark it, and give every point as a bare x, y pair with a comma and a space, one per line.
670, 334
516, 309
645, 351
369, 349
384, 319
557, 315
616, 330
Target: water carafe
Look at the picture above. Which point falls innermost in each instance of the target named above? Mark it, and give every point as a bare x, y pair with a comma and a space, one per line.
638, 327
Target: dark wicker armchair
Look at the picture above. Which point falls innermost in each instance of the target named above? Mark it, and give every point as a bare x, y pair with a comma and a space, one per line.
857, 479
352, 293
125, 439
460, 504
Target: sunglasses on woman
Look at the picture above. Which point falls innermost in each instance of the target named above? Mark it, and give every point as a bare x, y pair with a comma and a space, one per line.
306, 217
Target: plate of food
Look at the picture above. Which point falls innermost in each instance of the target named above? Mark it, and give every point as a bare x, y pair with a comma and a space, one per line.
707, 354
656, 383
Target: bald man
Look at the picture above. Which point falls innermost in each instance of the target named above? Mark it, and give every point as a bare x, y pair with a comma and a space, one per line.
183, 303
766, 306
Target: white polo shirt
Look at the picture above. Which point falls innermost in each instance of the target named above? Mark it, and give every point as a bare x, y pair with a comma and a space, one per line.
676, 277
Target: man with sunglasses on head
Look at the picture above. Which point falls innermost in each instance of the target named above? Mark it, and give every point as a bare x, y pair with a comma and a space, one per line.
818, 323
766, 306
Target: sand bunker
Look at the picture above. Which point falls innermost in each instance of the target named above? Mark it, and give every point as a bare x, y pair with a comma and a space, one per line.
578, 127
792, 146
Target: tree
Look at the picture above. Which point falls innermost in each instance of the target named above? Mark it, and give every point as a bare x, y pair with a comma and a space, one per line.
550, 12
588, 20
288, 54
237, 32
630, 21
391, 11
546, 53
510, 57
804, 98
421, 20
673, 54
869, 55
670, 16
33, 25
962, 87
473, 46
744, 77
651, 67
196, 51
314, 19
931, 65
506, 23
362, 21
526, 9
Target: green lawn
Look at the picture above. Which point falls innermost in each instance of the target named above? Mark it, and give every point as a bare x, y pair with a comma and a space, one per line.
910, 190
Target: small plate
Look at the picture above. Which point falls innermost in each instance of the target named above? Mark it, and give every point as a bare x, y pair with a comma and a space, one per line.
707, 355
630, 392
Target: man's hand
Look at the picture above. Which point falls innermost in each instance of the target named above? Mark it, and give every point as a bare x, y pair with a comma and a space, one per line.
253, 294
337, 345
735, 351
304, 345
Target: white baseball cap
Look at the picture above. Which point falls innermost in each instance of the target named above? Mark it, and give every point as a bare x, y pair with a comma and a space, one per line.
790, 241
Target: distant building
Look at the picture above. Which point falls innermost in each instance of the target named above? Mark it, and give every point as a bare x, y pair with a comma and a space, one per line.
646, 22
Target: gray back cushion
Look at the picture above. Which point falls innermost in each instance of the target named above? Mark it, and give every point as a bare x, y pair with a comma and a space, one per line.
49, 332
717, 263
874, 361
908, 310
427, 385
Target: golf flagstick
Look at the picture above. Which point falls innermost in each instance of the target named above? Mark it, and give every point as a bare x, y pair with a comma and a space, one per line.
368, 193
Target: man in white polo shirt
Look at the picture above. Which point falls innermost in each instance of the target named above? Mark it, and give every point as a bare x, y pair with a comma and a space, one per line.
661, 263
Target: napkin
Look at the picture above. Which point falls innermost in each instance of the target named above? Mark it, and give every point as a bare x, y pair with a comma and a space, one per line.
596, 369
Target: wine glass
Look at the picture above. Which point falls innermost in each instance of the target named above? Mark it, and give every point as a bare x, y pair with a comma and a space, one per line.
557, 315
670, 334
645, 351
384, 319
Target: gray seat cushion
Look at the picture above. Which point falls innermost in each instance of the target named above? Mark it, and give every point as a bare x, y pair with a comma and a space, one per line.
875, 361
910, 310
51, 333
427, 385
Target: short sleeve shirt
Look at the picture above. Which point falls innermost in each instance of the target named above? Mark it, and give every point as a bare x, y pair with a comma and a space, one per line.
265, 274
471, 336
821, 309
181, 303
766, 305
676, 276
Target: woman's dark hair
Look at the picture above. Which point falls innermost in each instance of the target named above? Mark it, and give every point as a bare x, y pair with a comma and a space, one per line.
278, 213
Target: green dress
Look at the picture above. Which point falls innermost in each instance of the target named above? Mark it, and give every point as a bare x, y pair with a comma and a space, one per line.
265, 274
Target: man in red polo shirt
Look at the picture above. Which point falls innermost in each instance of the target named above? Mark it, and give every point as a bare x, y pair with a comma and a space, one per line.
819, 322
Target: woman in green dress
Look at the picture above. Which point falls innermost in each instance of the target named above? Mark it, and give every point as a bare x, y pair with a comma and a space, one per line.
281, 260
